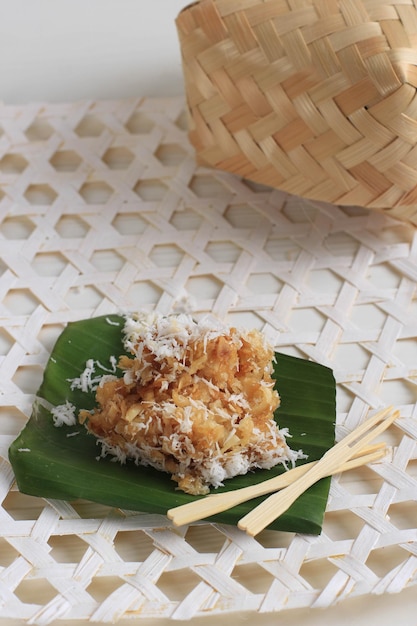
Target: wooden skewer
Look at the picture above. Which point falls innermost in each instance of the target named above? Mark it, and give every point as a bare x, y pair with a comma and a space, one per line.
216, 503
271, 508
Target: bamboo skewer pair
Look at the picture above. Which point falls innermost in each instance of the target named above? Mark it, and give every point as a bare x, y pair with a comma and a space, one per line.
351, 452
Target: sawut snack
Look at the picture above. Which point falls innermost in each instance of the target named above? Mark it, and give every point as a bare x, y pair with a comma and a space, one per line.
196, 399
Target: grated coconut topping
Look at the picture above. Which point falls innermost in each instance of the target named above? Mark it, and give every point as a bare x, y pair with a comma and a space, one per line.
196, 399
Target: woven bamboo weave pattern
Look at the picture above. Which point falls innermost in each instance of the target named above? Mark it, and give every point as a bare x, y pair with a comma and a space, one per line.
103, 208
314, 98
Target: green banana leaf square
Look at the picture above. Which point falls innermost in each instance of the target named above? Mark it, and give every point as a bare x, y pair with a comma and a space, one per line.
64, 462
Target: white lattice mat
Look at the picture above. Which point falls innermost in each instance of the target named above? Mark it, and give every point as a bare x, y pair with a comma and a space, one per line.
103, 209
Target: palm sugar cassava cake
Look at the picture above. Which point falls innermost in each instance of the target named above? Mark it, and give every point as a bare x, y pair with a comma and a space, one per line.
196, 399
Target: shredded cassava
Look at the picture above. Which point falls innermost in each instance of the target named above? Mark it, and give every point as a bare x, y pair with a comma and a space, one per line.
196, 399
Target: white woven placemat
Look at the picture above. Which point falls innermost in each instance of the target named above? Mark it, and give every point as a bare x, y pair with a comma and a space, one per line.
103, 209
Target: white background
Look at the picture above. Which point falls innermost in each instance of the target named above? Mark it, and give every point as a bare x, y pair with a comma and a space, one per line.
65, 50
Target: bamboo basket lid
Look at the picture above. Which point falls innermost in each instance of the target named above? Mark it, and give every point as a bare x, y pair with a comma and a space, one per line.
313, 97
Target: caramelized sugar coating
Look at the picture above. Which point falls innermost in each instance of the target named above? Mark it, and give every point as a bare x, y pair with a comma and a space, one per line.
195, 400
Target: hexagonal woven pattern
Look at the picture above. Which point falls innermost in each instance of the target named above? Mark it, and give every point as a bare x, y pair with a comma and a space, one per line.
104, 209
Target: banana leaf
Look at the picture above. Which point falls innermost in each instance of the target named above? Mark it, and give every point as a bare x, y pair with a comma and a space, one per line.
63, 462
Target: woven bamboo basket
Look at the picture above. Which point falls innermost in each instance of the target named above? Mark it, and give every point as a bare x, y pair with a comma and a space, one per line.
313, 97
